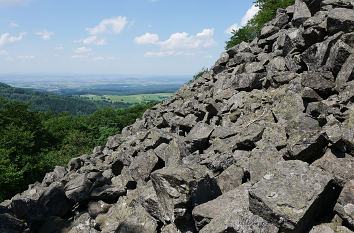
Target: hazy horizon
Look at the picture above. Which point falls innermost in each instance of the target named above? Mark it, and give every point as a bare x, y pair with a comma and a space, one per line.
143, 37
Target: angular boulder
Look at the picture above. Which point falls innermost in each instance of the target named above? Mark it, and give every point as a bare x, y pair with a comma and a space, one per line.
291, 195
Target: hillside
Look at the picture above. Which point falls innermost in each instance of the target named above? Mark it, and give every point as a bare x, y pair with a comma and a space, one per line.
44, 101
262, 143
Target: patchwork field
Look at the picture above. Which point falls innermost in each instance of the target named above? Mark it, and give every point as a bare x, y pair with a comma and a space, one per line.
132, 99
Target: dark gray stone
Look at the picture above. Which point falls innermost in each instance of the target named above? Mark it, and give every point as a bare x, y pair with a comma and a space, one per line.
291, 195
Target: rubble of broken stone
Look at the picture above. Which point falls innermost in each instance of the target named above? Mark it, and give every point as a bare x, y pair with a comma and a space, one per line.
263, 143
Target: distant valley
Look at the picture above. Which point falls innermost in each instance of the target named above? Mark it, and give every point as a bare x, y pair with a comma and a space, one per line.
85, 94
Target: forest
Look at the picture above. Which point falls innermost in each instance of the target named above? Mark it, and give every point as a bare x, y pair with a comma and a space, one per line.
44, 101
32, 143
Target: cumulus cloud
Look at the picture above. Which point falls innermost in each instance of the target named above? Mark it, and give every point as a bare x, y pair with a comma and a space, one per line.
3, 52
6, 38
113, 25
251, 12
167, 53
232, 28
185, 41
45, 34
26, 58
94, 40
7, 3
79, 56
13, 24
180, 43
83, 50
147, 38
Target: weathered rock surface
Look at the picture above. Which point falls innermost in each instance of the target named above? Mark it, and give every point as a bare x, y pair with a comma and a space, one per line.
262, 143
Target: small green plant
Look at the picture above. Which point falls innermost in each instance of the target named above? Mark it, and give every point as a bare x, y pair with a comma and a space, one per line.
199, 74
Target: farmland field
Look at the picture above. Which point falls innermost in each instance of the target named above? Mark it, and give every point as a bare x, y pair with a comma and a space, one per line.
132, 99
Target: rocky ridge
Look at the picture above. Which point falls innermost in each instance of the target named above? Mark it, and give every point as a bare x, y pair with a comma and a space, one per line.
263, 143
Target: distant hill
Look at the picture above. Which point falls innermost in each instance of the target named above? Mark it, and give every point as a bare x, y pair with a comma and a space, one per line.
44, 101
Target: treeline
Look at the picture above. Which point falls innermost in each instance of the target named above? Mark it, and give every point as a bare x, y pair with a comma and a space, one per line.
267, 12
32, 143
44, 101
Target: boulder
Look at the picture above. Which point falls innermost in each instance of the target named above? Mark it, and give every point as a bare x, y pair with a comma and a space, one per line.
322, 82
340, 19
126, 216
345, 204
236, 199
180, 188
198, 137
143, 165
78, 189
338, 164
291, 195
231, 178
232, 220
306, 141
301, 13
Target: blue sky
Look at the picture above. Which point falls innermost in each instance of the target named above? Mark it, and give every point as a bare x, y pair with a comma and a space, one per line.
152, 37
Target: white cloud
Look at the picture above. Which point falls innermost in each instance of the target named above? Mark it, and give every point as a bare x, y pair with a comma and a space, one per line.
6, 38
59, 48
6, 3
26, 58
79, 56
232, 28
45, 34
13, 24
94, 40
83, 50
180, 43
251, 12
147, 38
3, 52
184, 41
113, 25
167, 53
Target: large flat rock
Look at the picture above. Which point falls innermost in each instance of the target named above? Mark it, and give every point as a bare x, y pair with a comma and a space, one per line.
291, 195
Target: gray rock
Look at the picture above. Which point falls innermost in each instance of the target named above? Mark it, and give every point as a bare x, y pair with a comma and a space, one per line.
107, 193
78, 189
246, 82
345, 204
56, 175
339, 54
198, 137
235, 221
306, 141
268, 31
323, 82
288, 106
177, 186
291, 195
231, 178
315, 56
75, 164
301, 13
235, 199
143, 165
340, 19
99, 207
261, 161
10, 224
338, 164
126, 216
345, 74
